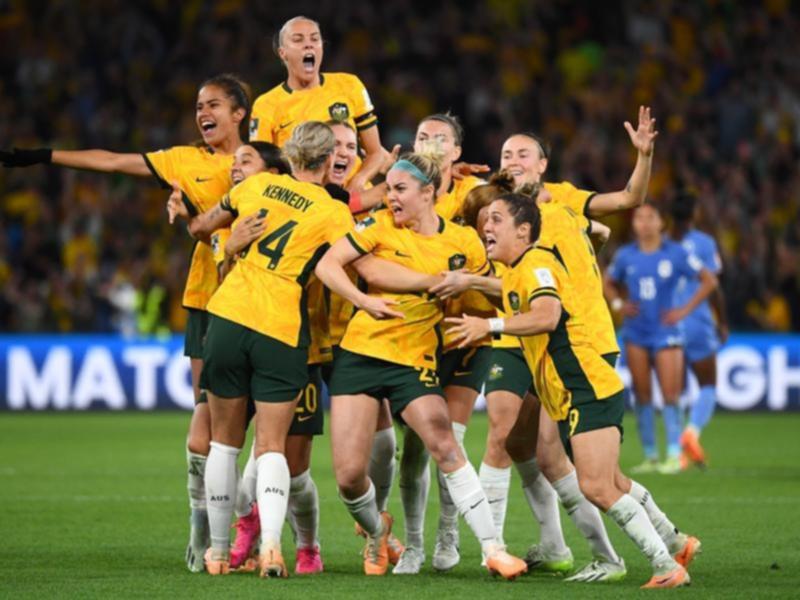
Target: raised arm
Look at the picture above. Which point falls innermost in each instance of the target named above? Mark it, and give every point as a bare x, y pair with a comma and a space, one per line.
92, 160
373, 160
643, 139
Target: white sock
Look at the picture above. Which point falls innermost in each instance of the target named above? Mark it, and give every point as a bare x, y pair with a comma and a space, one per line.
246, 491
364, 511
221, 476
382, 465
273, 495
586, 517
448, 513
415, 483
632, 518
495, 483
664, 527
468, 496
543, 501
304, 510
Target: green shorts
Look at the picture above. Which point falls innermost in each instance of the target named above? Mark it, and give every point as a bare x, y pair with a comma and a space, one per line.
508, 372
195, 335
591, 415
466, 367
241, 362
358, 374
309, 416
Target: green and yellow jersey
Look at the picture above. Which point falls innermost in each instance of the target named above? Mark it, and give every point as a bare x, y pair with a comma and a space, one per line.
448, 205
567, 194
415, 340
266, 289
339, 96
565, 365
503, 340
205, 177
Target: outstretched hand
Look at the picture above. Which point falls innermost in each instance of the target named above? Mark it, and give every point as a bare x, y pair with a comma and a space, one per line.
175, 205
19, 157
643, 137
466, 329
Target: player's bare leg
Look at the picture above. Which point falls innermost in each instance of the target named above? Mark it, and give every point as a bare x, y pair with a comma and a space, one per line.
639, 364
197, 447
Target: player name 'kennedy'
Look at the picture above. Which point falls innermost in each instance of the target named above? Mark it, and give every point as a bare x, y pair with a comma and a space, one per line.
289, 197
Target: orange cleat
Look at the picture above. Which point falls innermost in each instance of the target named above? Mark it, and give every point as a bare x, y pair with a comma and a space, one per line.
691, 548
396, 548
218, 562
500, 562
677, 577
376, 552
690, 444
271, 563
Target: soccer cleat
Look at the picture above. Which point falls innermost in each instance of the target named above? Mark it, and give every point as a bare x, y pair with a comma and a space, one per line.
541, 559
670, 466
410, 563
198, 541
500, 562
271, 563
445, 553
376, 552
248, 529
217, 562
690, 444
600, 570
677, 577
650, 465
691, 547
396, 549
308, 561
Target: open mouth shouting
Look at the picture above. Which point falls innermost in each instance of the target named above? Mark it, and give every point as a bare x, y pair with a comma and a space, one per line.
309, 62
340, 168
490, 242
208, 126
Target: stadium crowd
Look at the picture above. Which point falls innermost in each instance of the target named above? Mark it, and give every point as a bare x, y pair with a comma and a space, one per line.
84, 252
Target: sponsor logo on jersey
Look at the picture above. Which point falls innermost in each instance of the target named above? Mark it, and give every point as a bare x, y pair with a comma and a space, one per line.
339, 111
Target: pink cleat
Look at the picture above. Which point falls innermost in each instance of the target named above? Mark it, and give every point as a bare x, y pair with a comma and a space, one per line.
308, 561
248, 529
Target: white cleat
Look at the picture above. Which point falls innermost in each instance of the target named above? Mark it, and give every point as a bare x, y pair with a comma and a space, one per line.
546, 560
445, 553
410, 563
600, 570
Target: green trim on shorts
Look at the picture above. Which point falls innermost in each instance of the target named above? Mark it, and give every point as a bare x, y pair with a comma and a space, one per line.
195, 334
467, 367
508, 372
358, 374
241, 362
567, 364
589, 416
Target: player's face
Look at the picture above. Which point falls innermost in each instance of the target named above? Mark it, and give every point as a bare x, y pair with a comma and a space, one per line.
215, 116
344, 154
408, 199
246, 161
435, 137
502, 237
301, 49
480, 224
521, 157
647, 222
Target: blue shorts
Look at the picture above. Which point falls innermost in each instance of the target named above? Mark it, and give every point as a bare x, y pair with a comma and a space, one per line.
654, 341
701, 341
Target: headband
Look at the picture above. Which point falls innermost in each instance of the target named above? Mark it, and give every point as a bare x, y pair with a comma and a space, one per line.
413, 170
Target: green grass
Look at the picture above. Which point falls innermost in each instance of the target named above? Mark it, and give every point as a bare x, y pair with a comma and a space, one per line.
94, 505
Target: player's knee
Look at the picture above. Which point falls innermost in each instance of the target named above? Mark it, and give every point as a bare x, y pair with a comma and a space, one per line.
199, 443
600, 493
496, 448
444, 450
350, 479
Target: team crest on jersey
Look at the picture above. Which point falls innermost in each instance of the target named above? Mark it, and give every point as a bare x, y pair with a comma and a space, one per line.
339, 111
456, 262
215, 243
496, 372
513, 301
253, 128
664, 268
362, 225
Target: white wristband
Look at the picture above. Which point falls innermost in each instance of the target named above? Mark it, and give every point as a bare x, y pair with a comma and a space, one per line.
617, 304
497, 325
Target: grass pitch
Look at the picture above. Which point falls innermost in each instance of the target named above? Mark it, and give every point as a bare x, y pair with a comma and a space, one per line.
94, 505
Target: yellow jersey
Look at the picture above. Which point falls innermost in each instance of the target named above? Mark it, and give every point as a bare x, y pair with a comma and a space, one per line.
503, 340
320, 350
414, 341
266, 289
449, 204
565, 365
205, 177
564, 231
339, 96
567, 194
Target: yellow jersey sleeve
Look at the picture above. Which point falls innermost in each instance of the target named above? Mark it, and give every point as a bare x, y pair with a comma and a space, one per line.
262, 118
366, 235
363, 110
567, 194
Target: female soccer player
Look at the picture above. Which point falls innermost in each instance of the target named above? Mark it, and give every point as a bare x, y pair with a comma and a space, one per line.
307, 94
392, 352
703, 335
203, 173
650, 270
577, 386
249, 353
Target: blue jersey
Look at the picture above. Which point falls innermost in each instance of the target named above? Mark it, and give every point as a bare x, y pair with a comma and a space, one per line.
652, 280
704, 248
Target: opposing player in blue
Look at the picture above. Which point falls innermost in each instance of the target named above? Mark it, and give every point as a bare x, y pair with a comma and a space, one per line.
641, 283
702, 332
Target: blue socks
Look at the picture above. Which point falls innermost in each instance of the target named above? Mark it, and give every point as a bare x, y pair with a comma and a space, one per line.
645, 419
703, 408
673, 428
